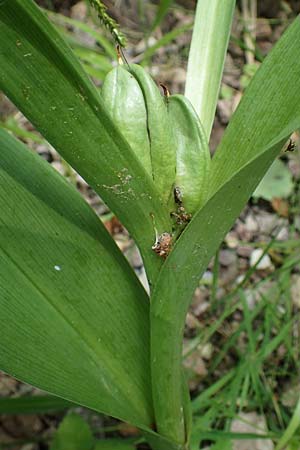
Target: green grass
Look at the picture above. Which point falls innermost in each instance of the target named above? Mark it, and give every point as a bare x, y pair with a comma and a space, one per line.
253, 364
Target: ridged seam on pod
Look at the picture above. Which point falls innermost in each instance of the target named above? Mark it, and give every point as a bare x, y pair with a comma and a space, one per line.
192, 153
162, 145
124, 100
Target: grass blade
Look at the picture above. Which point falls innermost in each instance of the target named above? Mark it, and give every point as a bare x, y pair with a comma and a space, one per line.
291, 429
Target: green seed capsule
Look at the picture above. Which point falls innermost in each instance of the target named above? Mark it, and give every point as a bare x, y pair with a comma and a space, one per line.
162, 145
124, 100
192, 153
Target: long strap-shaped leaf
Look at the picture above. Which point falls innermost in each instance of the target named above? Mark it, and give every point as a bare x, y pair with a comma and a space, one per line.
39, 73
210, 38
33, 404
270, 105
269, 112
74, 319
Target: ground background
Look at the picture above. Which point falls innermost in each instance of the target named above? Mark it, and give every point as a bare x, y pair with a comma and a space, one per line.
245, 312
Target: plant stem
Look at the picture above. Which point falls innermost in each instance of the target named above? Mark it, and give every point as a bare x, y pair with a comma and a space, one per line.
158, 442
207, 56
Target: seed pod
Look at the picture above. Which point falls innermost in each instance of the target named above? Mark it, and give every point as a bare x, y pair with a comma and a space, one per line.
162, 145
192, 153
124, 100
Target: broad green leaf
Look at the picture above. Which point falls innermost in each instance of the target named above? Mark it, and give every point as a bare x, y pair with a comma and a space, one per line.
177, 282
73, 434
270, 104
207, 57
268, 114
34, 404
73, 315
40, 74
278, 182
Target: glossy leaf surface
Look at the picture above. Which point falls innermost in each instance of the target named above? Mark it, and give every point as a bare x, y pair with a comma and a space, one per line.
52, 90
74, 317
267, 115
